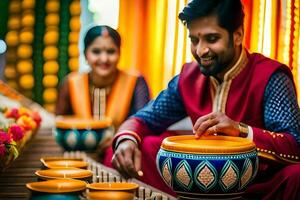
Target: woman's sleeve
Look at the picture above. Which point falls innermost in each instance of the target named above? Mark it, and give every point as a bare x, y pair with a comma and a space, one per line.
141, 95
63, 103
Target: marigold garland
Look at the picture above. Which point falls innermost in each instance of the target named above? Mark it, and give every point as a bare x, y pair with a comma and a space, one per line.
16, 127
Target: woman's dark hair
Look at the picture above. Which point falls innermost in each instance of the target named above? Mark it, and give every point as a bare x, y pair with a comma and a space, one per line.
230, 13
98, 30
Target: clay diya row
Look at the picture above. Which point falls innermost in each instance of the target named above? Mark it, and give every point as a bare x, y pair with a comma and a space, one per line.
70, 189
210, 167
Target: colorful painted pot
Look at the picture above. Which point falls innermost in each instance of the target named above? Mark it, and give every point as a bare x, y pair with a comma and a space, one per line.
112, 191
57, 189
80, 134
211, 167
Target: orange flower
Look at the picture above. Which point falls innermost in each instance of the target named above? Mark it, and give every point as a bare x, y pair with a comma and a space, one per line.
27, 123
12, 113
24, 111
30, 119
37, 118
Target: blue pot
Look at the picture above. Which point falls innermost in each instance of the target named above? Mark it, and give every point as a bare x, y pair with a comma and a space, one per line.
78, 139
56, 189
51, 196
212, 167
75, 134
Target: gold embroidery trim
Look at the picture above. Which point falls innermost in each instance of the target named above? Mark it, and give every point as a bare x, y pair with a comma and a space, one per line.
222, 91
283, 158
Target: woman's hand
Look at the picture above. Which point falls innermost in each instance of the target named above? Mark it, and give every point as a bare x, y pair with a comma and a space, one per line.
127, 159
214, 123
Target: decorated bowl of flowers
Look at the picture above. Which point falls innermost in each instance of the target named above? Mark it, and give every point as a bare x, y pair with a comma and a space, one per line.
212, 167
29, 120
8, 150
17, 126
80, 134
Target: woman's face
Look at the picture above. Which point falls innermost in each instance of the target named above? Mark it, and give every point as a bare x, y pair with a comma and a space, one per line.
103, 56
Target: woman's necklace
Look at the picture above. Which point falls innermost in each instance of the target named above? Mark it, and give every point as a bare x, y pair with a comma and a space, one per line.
99, 103
99, 99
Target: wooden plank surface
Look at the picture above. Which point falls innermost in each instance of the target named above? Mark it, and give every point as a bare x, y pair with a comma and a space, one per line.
13, 180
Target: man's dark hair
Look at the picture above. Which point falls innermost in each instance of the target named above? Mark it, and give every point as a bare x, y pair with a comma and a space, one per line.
229, 12
96, 31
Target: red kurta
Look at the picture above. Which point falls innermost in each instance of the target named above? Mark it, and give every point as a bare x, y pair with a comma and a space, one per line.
240, 97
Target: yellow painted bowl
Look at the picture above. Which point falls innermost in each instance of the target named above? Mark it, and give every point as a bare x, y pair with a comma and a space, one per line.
112, 191
80, 134
59, 162
209, 167
66, 189
74, 173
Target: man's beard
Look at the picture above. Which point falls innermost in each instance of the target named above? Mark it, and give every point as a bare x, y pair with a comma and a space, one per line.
220, 64
216, 69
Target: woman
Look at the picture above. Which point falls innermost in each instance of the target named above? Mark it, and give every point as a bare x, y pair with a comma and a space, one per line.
106, 90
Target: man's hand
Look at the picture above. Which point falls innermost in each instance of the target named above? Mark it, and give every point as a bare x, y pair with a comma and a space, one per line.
215, 123
127, 159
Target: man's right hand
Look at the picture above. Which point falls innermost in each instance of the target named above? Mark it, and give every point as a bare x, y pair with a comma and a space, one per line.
127, 159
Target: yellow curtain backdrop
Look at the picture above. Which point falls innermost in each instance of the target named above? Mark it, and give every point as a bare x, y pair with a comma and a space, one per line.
153, 39
156, 43
275, 32
133, 34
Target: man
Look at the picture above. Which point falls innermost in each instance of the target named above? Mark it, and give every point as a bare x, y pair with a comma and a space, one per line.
227, 91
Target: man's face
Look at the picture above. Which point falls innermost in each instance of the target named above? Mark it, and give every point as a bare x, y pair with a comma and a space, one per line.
212, 46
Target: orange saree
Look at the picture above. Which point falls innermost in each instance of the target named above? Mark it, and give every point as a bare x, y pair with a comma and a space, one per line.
117, 101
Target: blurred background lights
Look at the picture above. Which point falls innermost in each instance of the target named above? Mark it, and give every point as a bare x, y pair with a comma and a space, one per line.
105, 12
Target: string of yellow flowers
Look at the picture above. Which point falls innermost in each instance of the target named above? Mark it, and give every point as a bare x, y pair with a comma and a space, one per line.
12, 40
50, 54
24, 64
73, 49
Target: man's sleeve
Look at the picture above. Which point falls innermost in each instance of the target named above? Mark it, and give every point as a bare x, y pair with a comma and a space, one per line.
63, 103
281, 139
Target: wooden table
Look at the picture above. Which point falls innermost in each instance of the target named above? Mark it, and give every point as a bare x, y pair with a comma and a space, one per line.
14, 179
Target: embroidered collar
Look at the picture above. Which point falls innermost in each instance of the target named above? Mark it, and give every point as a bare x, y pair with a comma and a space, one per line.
219, 91
238, 67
